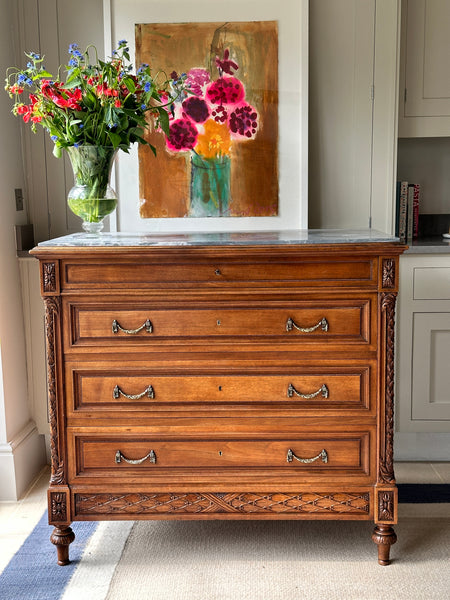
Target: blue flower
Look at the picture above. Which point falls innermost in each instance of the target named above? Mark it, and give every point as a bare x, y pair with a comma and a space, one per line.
81, 125
54, 137
73, 62
122, 42
143, 106
73, 48
30, 65
76, 145
22, 78
147, 86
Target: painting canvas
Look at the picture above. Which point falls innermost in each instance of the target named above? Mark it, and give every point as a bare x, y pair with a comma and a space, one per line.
221, 156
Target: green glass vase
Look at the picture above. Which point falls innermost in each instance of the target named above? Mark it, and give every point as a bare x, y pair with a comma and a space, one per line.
210, 186
92, 198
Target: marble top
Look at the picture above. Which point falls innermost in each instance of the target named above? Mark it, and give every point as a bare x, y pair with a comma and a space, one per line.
303, 236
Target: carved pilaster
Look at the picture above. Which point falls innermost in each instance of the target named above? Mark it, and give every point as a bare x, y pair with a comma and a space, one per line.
386, 471
52, 311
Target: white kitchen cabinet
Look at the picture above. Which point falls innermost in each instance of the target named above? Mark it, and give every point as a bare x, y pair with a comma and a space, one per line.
353, 100
423, 344
424, 71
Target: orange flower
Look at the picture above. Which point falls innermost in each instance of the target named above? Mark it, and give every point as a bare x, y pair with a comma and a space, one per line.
215, 141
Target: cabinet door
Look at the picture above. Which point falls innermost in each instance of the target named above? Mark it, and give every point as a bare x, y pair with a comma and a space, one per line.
425, 83
430, 372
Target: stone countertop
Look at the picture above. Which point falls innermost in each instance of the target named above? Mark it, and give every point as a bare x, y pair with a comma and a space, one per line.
430, 245
307, 236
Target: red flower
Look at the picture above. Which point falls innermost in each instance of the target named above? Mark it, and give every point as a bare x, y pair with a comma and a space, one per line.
182, 135
196, 109
243, 121
226, 90
117, 103
226, 65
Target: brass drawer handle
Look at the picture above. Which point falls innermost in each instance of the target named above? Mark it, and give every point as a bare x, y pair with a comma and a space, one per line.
322, 390
120, 457
322, 454
291, 324
149, 392
147, 326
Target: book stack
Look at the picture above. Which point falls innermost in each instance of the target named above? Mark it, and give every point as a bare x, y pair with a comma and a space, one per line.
407, 211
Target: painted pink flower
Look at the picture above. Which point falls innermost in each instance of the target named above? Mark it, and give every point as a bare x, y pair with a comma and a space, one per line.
196, 109
225, 90
196, 79
243, 121
182, 135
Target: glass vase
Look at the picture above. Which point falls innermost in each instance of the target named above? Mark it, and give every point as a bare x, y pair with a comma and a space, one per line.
210, 186
92, 198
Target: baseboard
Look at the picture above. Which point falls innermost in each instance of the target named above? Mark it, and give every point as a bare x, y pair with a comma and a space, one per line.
21, 460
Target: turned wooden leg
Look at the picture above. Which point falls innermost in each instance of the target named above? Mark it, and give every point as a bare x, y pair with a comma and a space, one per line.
62, 538
384, 536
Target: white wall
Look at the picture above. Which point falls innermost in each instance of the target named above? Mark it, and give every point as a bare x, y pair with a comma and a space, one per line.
21, 449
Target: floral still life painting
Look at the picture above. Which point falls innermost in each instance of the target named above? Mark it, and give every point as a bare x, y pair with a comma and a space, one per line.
220, 156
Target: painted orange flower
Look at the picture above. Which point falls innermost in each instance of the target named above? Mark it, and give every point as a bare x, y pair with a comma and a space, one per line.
215, 141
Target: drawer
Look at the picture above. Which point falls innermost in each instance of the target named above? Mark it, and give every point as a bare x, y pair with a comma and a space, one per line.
306, 322
114, 390
125, 455
191, 270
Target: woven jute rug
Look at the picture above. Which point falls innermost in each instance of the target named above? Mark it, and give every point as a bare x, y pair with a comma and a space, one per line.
284, 560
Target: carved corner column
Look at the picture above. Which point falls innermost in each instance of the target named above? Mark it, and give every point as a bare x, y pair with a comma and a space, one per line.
386, 498
59, 509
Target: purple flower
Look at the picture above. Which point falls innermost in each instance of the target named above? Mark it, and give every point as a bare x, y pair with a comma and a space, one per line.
243, 121
182, 135
196, 109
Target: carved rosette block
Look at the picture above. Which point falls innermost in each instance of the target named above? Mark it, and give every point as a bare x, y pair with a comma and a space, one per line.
386, 506
49, 278
388, 273
59, 505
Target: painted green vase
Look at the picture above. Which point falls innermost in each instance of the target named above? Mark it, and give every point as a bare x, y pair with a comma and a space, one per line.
92, 198
210, 186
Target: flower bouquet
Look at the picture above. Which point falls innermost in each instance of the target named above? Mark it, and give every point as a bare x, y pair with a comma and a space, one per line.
205, 120
100, 108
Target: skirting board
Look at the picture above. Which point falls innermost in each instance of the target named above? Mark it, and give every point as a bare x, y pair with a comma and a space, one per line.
421, 446
21, 460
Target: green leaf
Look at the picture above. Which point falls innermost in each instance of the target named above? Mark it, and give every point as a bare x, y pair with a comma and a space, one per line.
164, 120
72, 83
115, 139
130, 84
57, 151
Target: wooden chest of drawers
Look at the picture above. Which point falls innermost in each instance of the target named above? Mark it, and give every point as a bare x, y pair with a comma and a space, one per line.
231, 381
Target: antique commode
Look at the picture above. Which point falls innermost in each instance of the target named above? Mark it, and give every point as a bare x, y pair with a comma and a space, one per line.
221, 376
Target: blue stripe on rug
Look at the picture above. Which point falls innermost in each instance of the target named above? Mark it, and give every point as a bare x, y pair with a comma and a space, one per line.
33, 573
